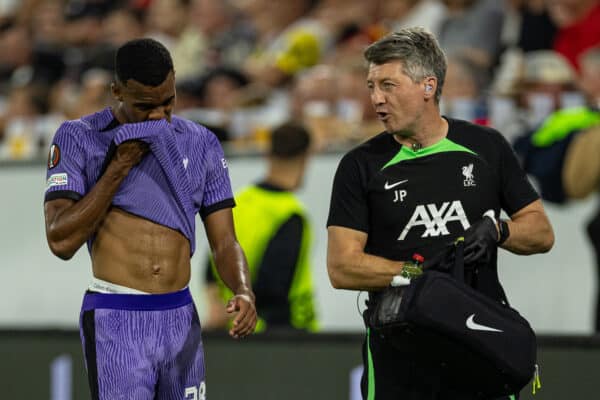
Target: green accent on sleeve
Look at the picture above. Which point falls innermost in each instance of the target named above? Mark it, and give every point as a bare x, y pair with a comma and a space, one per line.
444, 145
561, 123
512, 397
371, 371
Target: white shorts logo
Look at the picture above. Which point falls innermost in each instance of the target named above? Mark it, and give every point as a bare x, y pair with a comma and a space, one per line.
57, 180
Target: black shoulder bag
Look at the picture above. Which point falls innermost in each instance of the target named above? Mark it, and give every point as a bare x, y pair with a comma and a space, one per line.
480, 345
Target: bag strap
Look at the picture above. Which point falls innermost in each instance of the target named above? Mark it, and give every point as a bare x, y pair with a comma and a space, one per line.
459, 259
459, 267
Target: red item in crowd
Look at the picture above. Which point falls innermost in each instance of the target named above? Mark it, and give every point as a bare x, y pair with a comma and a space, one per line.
571, 41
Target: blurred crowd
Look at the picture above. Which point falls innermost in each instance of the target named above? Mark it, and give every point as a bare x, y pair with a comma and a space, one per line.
245, 66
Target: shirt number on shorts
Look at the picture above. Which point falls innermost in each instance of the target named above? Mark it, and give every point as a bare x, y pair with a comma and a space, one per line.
196, 393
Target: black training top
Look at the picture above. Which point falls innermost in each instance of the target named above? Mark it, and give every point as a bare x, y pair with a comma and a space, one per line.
418, 201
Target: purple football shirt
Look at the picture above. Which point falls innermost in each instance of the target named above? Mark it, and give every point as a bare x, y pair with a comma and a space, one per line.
184, 173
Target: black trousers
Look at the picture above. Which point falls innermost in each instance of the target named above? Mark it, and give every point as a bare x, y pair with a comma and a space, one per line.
390, 374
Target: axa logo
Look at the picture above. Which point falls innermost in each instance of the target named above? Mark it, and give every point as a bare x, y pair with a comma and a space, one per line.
467, 172
434, 219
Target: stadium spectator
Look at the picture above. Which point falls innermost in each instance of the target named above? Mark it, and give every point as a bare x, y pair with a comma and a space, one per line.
212, 99
581, 170
225, 33
578, 27
463, 96
288, 40
396, 15
473, 29
546, 83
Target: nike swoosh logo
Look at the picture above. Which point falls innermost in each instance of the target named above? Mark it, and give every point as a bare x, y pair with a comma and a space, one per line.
478, 327
387, 186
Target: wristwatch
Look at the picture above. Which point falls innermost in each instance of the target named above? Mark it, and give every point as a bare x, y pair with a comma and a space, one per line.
503, 231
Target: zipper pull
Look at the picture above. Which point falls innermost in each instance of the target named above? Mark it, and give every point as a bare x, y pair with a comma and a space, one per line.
536, 379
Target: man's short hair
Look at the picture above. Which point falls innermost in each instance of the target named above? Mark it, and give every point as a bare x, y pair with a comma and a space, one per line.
417, 49
146, 61
289, 140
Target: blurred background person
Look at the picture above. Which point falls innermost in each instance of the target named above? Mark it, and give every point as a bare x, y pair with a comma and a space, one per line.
463, 95
473, 29
313, 101
212, 98
273, 229
288, 40
225, 34
581, 169
578, 27
545, 83
399, 14
552, 113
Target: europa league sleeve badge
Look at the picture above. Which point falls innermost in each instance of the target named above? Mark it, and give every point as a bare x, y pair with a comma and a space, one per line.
53, 156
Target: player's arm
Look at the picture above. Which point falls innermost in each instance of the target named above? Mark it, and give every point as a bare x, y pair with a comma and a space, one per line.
349, 267
530, 231
216, 316
233, 269
70, 223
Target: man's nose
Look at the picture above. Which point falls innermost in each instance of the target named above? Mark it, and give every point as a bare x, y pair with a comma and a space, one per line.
377, 97
160, 112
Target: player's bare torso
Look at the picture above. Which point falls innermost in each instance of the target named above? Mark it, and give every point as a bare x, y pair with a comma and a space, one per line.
134, 252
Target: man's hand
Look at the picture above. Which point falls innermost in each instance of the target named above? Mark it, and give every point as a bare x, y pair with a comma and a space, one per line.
481, 241
130, 153
245, 320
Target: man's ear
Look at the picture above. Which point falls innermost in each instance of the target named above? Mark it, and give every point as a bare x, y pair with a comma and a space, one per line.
430, 86
115, 90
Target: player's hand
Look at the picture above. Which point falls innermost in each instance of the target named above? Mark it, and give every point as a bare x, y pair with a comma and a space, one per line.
481, 241
131, 152
245, 320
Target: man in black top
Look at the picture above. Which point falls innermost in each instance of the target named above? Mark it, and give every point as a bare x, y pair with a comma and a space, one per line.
413, 189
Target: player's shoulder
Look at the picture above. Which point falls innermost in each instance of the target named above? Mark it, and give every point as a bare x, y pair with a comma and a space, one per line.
87, 124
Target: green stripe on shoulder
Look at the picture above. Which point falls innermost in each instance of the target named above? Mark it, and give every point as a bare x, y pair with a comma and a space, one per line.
444, 145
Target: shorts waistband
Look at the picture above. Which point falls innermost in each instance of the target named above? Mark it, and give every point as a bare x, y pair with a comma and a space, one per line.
139, 302
102, 286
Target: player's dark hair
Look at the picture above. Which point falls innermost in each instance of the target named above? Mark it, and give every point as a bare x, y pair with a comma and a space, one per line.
146, 61
289, 140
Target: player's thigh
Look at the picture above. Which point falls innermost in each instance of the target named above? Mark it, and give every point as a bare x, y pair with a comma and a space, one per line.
182, 373
118, 352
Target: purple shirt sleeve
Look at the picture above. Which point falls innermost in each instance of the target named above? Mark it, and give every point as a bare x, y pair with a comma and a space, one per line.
65, 175
217, 189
